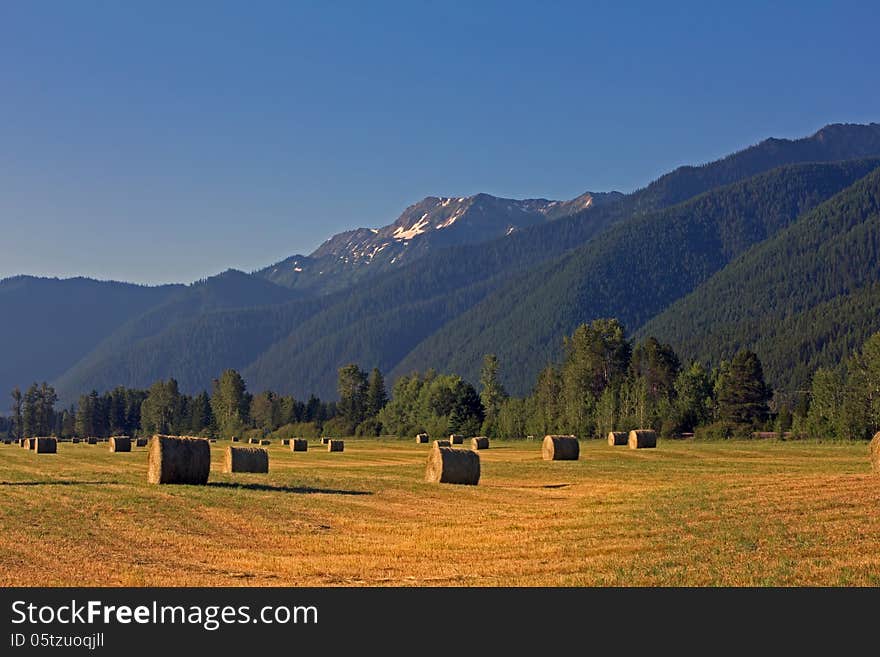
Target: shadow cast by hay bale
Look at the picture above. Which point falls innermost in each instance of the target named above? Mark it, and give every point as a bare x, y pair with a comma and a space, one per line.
296, 490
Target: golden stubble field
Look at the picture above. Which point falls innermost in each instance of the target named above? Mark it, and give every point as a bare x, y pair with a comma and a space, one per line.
686, 513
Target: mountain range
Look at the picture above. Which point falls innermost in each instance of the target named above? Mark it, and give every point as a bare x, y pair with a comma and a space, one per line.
774, 247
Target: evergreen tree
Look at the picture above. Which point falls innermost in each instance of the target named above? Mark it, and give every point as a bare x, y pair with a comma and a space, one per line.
18, 422
742, 393
377, 397
31, 411
352, 388
201, 419
492, 393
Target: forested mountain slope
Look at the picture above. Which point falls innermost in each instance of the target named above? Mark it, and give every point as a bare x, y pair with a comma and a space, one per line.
804, 298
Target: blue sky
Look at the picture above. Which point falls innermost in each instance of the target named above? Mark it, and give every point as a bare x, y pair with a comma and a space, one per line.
165, 141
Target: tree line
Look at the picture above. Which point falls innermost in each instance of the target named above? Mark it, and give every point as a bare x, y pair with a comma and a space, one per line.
604, 382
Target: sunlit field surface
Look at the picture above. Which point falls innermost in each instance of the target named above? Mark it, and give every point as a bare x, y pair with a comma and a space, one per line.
686, 513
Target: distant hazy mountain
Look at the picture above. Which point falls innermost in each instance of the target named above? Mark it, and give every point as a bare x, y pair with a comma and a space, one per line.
430, 224
48, 324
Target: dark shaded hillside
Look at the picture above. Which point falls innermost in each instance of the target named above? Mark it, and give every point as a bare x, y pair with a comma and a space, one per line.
805, 298
631, 272
49, 324
174, 338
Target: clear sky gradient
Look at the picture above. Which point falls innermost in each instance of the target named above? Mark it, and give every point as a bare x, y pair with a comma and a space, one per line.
165, 141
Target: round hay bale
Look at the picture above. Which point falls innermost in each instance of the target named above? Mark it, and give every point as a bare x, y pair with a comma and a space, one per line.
74, 440
45, 445
422, 438
456, 439
235, 439
265, 442
177, 460
246, 459
299, 445
642, 438
91, 440
26, 443
336, 445
120, 444
447, 465
560, 448
617, 438
874, 452
442, 443
140, 442
480, 442
285, 442
253, 441
324, 440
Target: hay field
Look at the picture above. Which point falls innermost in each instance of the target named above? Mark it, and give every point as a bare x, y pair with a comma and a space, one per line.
687, 513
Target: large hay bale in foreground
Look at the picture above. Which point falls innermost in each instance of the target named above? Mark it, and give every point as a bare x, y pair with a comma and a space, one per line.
336, 445
45, 445
480, 442
299, 445
617, 438
177, 460
874, 452
560, 448
642, 438
422, 438
246, 459
442, 443
120, 444
447, 465
456, 439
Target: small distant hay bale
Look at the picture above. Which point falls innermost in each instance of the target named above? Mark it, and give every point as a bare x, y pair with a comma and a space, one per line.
617, 438
874, 452
246, 459
456, 439
480, 442
74, 440
253, 441
140, 442
45, 445
91, 440
178, 460
335, 445
560, 448
447, 465
299, 445
324, 440
24, 442
265, 442
422, 438
530, 437
285, 441
442, 443
764, 435
235, 439
120, 444
642, 438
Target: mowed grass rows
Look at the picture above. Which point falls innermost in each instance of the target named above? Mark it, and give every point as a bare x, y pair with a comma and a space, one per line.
687, 513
